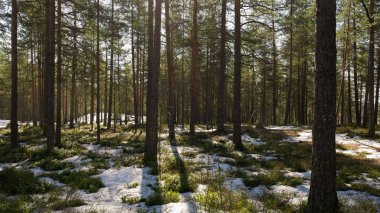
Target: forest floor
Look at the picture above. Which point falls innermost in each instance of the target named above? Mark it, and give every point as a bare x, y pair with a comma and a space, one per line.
196, 174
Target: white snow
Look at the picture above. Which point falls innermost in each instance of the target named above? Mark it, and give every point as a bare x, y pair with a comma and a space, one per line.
305, 135
304, 175
4, 123
255, 141
235, 184
283, 127
96, 148
116, 181
51, 181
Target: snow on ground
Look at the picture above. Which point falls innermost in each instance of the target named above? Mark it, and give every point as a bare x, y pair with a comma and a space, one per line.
235, 184
117, 184
365, 147
78, 161
98, 149
284, 127
6, 165
305, 135
4, 123
304, 175
254, 141
299, 194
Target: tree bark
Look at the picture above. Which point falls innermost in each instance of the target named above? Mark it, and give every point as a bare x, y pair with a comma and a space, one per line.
355, 61
59, 74
169, 52
287, 118
221, 110
49, 72
97, 73
14, 95
111, 72
371, 68
323, 196
237, 80
151, 142
194, 67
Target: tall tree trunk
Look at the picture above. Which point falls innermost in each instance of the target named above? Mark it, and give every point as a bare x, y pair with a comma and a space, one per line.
290, 77
105, 110
377, 86
92, 104
14, 105
237, 80
274, 58
194, 67
49, 72
349, 95
371, 68
134, 84
151, 142
97, 73
111, 72
73, 95
323, 196
221, 109
59, 74
355, 61
169, 52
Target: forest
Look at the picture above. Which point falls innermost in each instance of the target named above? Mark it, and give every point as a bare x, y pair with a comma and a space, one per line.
189, 106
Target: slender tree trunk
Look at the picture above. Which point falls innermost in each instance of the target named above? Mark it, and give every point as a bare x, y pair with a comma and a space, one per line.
34, 118
349, 95
153, 84
221, 109
371, 68
49, 72
59, 74
323, 196
274, 57
134, 86
290, 77
194, 67
355, 61
14, 105
169, 51
237, 80
111, 73
377, 86
92, 104
73, 102
97, 73
105, 110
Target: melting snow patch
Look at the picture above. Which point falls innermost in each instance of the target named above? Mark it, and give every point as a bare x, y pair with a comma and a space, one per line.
51, 181
283, 127
255, 141
303, 175
235, 184
352, 197
305, 135
96, 148
116, 186
4, 123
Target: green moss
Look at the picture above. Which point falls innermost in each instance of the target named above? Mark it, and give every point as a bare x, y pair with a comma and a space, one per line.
20, 182
49, 164
131, 200
79, 180
63, 204
366, 188
15, 205
224, 200
271, 178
